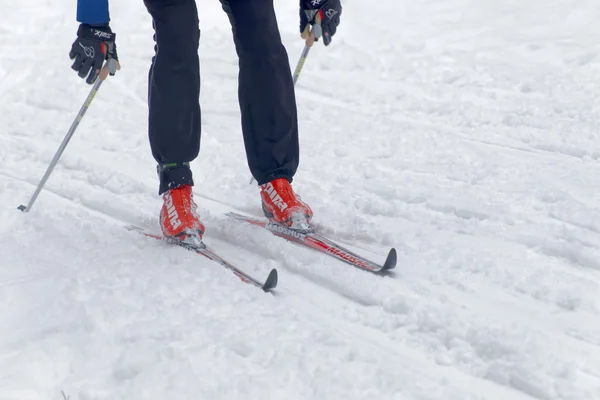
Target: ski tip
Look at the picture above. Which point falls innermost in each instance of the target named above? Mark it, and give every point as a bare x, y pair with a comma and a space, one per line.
271, 281
390, 261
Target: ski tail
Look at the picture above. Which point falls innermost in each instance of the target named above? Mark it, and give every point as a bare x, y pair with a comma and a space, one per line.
391, 260
269, 284
316, 241
325, 245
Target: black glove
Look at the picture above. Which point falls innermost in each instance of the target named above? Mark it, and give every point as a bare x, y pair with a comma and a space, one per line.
329, 12
93, 45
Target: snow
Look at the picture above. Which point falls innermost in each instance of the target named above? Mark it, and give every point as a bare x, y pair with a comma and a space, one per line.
464, 133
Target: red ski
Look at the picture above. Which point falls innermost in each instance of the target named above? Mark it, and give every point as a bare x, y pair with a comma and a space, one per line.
202, 249
311, 239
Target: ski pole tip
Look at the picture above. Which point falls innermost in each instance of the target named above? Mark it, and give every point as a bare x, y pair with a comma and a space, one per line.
22, 208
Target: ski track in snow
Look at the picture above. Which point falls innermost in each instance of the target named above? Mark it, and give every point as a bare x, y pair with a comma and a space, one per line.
463, 133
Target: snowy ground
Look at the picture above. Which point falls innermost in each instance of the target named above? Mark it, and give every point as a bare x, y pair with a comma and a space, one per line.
462, 132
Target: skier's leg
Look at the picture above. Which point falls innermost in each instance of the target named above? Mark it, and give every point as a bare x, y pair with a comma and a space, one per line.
266, 91
174, 88
268, 106
174, 121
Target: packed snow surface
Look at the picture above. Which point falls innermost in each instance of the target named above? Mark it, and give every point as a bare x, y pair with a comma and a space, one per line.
465, 133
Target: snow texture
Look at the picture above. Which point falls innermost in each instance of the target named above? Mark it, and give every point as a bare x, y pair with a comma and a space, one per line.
463, 132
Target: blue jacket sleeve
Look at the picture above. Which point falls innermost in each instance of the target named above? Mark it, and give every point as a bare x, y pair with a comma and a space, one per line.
93, 12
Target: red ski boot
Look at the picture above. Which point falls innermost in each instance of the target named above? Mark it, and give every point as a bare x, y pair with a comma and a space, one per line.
283, 206
178, 218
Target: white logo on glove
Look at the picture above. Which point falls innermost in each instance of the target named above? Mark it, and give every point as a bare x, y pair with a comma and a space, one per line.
89, 51
316, 2
102, 34
331, 13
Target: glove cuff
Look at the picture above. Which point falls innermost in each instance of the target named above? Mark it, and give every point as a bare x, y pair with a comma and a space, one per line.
101, 33
306, 5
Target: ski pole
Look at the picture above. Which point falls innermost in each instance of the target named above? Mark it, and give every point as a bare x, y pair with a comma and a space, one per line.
310, 36
301, 63
110, 67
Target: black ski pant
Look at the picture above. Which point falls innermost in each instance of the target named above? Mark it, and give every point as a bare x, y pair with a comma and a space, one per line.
266, 92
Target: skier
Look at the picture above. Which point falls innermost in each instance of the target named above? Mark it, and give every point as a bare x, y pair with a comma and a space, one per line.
266, 98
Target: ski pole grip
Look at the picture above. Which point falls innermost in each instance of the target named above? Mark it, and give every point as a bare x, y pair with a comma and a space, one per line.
110, 67
312, 35
317, 31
